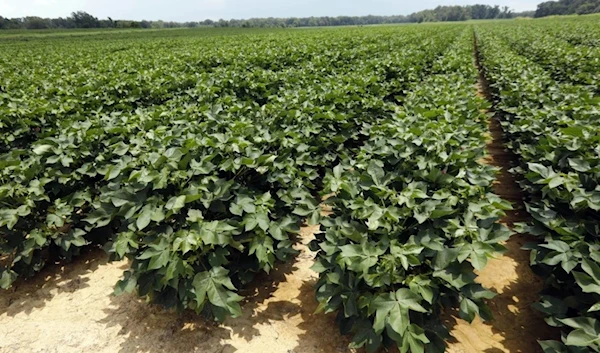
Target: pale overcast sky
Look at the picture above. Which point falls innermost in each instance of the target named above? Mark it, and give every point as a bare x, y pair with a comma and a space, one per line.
196, 10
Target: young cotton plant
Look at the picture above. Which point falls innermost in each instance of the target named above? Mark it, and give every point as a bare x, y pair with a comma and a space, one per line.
413, 217
552, 126
391, 259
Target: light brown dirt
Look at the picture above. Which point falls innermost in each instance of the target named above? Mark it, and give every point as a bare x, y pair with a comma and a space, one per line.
517, 327
72, 309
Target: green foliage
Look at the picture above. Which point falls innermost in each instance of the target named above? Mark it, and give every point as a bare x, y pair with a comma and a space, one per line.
564, 61
195, 159
198, 156
553, 127
81, 19
413, 216
567, 7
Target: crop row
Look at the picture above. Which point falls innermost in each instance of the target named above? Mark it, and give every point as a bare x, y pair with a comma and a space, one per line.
574, 30
203, 190
413, 216
553, 128
45, 88
205, 184
563, 61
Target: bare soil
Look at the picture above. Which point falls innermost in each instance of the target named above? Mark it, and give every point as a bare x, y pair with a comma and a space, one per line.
516, 327
72, 309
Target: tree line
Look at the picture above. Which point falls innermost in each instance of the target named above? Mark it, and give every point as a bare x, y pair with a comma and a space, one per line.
567, 7
82, 19
439, 14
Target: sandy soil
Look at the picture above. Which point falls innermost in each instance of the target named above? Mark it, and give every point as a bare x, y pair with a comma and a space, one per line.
72, 309
516, 327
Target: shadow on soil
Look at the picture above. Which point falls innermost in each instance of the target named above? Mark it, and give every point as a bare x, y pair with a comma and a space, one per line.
33, 293
277, 317
152, 329
519, 326
516, 321
516, 327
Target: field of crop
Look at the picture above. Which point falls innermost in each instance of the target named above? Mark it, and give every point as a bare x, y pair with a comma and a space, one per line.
354, 179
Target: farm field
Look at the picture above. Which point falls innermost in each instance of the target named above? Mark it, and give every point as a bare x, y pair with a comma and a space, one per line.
429, 188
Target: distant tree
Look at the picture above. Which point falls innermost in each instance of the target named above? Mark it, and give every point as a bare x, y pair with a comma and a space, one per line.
567, 7
36, 23
14, 23
505, 12
479, 12
62, 23
588, 8
84, 20
493, 12
81, 19
312, 22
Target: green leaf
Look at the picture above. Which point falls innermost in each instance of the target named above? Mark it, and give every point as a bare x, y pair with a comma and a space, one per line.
553, 347
556, 181
376, 172
423, 286
126, 285
175, 204
216, 285
579, 164
186, 241
595, 307
393, 309
445, 257
592, 269
194, 216
42, 149
216, 233
242, 204
414, 340
280, 229
539, 168
124, 242
7, 278
468, 309
579, 338
144, 218
586, 282
52, 219
362, 257
113, 172
159, 260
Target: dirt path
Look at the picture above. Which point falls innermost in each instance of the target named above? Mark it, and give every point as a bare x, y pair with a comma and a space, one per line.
516, 327
71, 309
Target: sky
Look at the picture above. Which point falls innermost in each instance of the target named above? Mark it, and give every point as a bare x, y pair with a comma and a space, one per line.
198, 10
